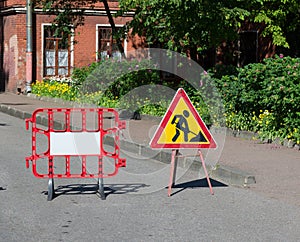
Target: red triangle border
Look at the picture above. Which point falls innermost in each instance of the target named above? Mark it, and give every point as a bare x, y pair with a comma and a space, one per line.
154, 141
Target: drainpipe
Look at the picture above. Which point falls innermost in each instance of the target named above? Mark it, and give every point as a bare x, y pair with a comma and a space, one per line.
28, 45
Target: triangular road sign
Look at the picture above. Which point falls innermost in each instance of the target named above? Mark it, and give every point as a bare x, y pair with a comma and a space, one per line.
182, 127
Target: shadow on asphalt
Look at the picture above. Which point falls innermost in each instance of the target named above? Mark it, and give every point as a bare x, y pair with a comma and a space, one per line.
87, 189
196, 184
109, 189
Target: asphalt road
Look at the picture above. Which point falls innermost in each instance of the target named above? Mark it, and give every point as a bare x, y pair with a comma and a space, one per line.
136, 208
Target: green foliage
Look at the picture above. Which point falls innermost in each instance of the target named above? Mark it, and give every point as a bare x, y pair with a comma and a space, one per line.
114, 78
185, 25
279, 17
99, 99
264, 97
200, 25
223, 70
107, 84
79, 75
153, 109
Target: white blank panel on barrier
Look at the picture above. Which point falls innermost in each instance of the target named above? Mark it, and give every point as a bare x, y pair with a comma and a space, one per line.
73, 143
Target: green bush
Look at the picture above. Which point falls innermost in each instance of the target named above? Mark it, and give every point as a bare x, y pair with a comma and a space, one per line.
223, 70
264, 97
112, 80
261, 97
117, 78
79, 75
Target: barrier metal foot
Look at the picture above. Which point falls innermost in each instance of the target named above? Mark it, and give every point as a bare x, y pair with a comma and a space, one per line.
101, 189
51, 192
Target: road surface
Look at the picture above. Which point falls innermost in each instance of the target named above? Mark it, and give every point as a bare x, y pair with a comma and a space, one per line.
135, 209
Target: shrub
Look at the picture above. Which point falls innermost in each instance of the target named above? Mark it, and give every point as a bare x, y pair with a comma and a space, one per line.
117, 78
79, 75
266, 95
223, 70
261, 97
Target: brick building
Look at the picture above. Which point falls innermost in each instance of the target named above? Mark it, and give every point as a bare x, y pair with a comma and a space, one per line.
50, 55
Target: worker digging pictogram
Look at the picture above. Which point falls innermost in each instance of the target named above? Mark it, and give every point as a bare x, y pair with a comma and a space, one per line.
182, 128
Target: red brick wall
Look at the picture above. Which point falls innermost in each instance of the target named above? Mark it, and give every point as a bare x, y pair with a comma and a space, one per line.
14, 42
9, 3
85, 36
85, 48
14, 50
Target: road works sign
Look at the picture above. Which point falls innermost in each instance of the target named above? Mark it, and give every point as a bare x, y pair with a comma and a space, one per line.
182, 127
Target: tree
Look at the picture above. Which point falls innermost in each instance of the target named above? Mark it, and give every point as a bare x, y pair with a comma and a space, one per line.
194, 25
280, 17
201, 24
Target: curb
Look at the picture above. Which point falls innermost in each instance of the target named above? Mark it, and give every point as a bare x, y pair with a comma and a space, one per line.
227, 175
235, 133
14, 112
231, 176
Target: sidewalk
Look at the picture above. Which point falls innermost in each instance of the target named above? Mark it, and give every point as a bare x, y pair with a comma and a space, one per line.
242, 161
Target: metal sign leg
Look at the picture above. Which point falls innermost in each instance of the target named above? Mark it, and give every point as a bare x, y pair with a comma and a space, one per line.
172, 171
51, 192
206, 173
101, 188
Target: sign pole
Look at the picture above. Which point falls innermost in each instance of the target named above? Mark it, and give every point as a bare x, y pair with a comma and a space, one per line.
206, 174
172, 171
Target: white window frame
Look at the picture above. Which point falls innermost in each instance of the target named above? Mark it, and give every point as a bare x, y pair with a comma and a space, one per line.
43, 47
97, 38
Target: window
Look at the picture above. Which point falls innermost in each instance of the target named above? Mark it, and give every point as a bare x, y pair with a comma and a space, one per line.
56, 54
107, 45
